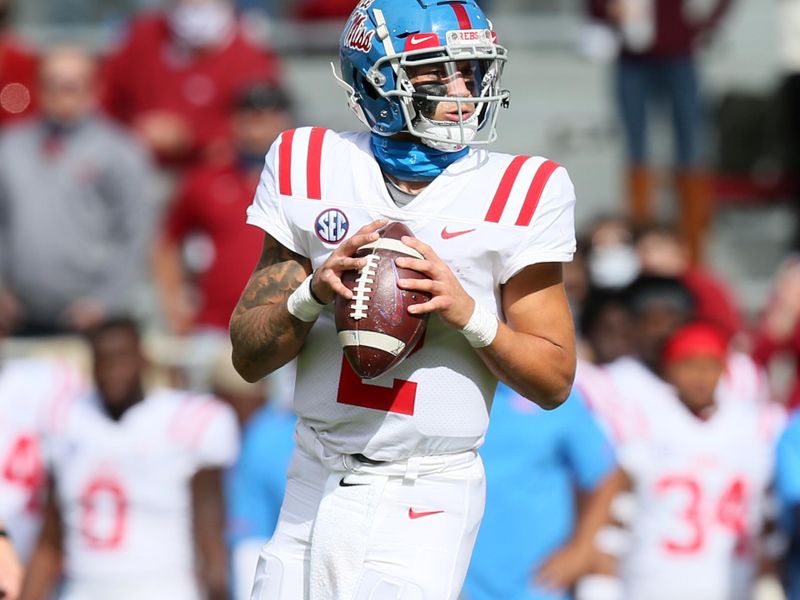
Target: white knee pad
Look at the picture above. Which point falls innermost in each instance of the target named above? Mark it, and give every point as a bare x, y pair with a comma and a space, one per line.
269, 578
379, 586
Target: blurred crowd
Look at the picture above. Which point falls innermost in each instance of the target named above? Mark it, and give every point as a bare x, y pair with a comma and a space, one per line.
124, 179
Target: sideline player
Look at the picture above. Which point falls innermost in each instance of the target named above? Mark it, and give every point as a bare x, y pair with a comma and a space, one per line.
33, 396
699, 471
385, 490
550, 482
787, 487
135, 486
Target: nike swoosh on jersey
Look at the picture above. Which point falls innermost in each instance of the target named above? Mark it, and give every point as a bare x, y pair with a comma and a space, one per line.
447, 235
343, 483
412, 514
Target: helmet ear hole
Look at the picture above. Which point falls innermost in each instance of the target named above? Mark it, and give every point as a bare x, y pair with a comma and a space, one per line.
370, 89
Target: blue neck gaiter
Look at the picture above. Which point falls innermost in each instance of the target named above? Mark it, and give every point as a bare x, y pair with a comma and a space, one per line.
410, 161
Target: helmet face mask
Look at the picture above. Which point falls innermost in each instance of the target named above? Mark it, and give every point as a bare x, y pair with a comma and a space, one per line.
426, 69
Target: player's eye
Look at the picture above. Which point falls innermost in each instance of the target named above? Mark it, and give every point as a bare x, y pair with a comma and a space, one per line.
430, 75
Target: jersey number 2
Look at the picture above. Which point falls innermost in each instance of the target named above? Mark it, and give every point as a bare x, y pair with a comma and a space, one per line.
400, 398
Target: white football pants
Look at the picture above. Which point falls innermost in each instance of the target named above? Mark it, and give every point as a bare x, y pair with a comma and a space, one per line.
166, 588
352, 530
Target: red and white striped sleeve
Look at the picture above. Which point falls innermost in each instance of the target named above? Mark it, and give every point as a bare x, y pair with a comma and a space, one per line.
537, 194
292, 171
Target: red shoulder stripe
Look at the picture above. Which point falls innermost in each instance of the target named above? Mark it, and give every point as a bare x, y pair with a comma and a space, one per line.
314, 173
285, 166
504, 189
534, 194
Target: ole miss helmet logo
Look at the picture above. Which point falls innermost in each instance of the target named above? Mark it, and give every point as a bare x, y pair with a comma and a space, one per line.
332, 226
358, 37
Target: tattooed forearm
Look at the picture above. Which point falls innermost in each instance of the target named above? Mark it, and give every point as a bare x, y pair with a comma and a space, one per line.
264, 335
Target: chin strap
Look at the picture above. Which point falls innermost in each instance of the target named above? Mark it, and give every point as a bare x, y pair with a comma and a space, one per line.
460, 134
411, 161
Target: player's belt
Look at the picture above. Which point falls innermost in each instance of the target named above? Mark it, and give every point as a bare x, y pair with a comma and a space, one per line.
361, 458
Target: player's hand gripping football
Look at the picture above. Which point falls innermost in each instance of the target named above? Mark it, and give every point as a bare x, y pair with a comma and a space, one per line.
327, 281
448, 297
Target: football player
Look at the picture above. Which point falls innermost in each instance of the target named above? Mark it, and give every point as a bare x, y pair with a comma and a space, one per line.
385, 490
33, 394
135, 486
787, 486
549, 490
698, 470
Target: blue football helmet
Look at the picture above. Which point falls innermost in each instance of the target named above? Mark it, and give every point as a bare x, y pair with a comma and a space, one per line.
449, 50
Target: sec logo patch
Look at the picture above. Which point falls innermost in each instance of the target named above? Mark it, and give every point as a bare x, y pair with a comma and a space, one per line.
332, 226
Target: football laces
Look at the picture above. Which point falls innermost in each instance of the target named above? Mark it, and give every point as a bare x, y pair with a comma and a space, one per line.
362, 289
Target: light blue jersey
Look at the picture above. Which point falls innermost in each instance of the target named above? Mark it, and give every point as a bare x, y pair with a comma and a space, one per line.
257, 481
787, 486
534, 461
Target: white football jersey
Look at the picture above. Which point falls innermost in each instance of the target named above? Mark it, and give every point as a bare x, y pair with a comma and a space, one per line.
614, 411
123, 487
743, 381
699, 490
614, 391
33, 395
488, 216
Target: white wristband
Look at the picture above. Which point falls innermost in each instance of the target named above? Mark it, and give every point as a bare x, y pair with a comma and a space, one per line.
301, 304
481, 329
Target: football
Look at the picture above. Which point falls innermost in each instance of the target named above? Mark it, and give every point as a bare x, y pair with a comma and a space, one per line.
375, 329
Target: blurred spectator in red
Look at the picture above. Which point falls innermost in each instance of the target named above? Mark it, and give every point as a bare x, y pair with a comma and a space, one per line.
778, 333
663, 251
211, 201
17, 72
197, 259
320, 10
658, 39
175, 75
75, 212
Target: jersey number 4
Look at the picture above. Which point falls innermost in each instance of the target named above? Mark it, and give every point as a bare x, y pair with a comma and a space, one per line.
23, 468
730, 512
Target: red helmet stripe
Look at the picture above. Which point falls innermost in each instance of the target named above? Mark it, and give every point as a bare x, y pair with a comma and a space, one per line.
314, 167
504, 189
462, 16
285, 163
534, 194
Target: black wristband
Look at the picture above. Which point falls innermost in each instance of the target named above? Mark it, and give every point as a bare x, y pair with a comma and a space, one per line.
313, 295
4, 533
